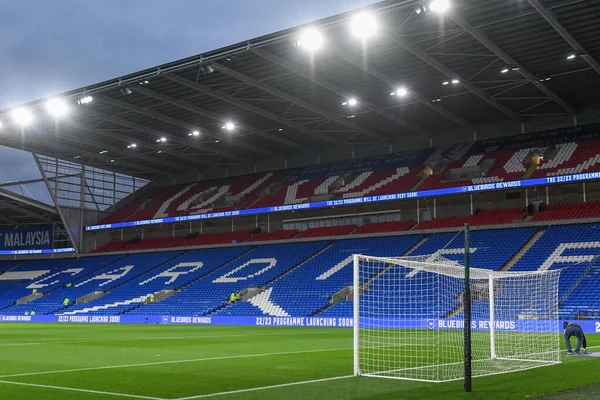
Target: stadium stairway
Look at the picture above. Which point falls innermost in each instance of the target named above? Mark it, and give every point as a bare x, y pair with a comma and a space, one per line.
536, 236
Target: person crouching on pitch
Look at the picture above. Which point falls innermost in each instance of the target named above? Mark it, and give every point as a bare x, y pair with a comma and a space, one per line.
574, 330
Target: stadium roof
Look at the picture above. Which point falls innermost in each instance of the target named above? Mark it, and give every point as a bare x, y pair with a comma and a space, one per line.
17, 210
482, 61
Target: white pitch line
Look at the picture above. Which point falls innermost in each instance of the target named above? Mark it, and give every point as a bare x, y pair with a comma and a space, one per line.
69, 389
201, 396
173, 362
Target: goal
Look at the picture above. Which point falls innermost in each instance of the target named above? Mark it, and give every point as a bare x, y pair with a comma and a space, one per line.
409, 319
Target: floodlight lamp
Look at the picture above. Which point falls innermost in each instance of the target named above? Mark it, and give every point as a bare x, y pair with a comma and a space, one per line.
22, 116
85, 100
571, 56
311, 40
455, 81
505, 70
363, 25
350, 102
56, 107
195, 133
229, 126
162, 139
132, 146
104, 152
439, 6
217, 141
446, 83
402, 92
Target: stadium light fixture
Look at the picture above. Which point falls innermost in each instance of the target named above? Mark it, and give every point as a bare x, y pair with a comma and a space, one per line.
446, 83
505, 70
159, 152
56, 107
280, 130
161, 140
112, 161
217, 141
132, 146
455, 81
439, 6
104, 152
229, 126
515, 68
351, 116
311, 39
22, 116
194, 133
363, 25
76, 157
85, 100
350, 102
571, 56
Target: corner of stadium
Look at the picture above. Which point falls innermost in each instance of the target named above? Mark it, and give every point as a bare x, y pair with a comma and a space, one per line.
408, 191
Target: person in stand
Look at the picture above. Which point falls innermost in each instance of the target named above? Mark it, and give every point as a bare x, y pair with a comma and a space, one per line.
574, 330
152, 298
32, 313
26, 312
34, 291
66, 302
238, 296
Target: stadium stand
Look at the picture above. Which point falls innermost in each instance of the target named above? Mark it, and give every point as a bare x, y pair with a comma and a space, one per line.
382, 227
399, 172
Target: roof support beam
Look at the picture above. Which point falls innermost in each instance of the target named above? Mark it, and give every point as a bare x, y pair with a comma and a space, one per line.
116, 150
172, 121
340, 91
549, 16
186, 105
392, 84
246, 106
150, 131
299, 102
450, 74
484, 40
30, 202
7, 219
218, 118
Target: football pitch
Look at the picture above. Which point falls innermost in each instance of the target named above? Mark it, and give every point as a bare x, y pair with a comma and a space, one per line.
69, 361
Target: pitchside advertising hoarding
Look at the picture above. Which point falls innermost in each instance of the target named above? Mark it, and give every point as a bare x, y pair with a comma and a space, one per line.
589, 327
360, 200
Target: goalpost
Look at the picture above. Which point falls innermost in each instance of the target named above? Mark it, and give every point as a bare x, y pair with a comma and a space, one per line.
409, 319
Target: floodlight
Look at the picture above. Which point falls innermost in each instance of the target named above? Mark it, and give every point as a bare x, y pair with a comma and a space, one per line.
455, 81
571, 56
132, 146
402, 92
194, 133
22, 116
56, 107
350, 102
162, 139
311, 39
505, 70
280, 130
351, 116
217, 141
228, 126
159, 152
515, 68
363, 25
104, 152
446, 83
439, 6
76, 157
85, 100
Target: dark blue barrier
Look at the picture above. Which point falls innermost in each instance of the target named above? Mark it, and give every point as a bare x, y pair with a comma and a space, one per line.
328, 322
359, 200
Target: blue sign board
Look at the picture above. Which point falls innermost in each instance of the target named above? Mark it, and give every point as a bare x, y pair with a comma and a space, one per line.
28, 238
588, 327
360, 200
37, 251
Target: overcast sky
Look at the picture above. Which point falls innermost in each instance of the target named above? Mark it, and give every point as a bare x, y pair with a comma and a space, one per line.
51, 46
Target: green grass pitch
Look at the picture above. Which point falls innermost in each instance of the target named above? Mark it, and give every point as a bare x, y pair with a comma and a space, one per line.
101, 362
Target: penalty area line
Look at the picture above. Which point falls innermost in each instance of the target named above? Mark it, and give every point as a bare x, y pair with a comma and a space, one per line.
281, 385
69, 389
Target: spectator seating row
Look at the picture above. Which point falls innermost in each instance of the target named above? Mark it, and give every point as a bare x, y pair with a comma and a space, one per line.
300, 278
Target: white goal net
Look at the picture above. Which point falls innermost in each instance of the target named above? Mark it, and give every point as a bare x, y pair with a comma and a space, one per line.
408, 319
